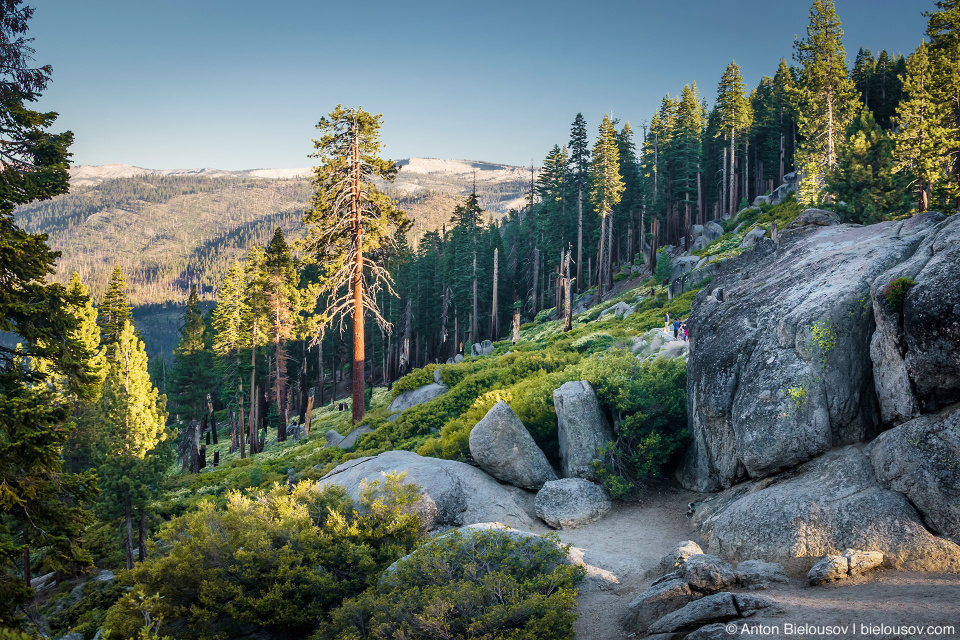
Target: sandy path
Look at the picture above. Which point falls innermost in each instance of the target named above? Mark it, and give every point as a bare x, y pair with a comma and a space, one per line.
633, 537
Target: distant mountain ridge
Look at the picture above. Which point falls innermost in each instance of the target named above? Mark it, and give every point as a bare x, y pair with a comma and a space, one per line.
173, 228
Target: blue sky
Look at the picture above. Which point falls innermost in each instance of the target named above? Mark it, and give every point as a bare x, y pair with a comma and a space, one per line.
240, 85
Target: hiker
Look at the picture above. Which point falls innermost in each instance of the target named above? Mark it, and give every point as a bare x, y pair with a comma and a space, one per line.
676, 329
666, 321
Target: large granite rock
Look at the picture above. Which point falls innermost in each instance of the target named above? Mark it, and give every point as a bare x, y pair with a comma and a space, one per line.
504, 448
451, 493
707, 573
921, 459
334, 439
675, 558
712, 231
571, 502
916, 349
484, 348
780, 367
413, 397
753, 236
581, 428
814, 217
822, 508
719, 607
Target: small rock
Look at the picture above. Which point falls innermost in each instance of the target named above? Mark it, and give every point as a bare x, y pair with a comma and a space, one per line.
753, 236
757, 574
829, 569
73, 635
678, 555
814, 217
457, 359
863, 561
715, 631
718, 607
571, 503
707, 573
657, 601
105, 576
437, 377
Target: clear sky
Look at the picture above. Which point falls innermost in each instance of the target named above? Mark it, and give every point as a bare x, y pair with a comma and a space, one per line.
236, 84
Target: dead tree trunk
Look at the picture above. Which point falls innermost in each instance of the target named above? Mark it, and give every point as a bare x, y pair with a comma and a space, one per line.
494, 322
567, 292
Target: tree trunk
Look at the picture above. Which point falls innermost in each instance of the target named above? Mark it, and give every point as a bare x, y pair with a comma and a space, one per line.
27, 576
309, 416
723, 187
516, 325
128, 520
601, 263
733, 167
359, 350
474, 316
240, 423
494, 321
610, 251
536, 278
579, 232
700, 207
567, 292
142, 537
253, 388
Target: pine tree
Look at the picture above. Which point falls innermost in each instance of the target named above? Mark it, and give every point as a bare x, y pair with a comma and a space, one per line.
826, 97
917, 154
579, 169
133, 419
943, 29
114, 310
351, 222
284, 307
40, 504
863, 182
191, 374
606, 188
630, 202
734, 119
687, 151
229, 339
862, 76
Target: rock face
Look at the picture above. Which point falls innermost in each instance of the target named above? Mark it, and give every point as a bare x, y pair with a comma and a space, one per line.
780, 369
503, 447
581, 428
706, 573
719, 607
825, 506
789, 185
677, 556
619, 310
657, 601
334, 439
414, 397
752, 237
451, 493
570, 503
916, 350
757, 574
921, 459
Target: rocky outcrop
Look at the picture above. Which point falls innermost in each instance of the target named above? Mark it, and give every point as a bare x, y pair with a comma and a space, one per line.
720, 607
780, 193
752, 237
413, 397
334, 439
780, 369
916, 348
581, 428
828, 505
921, 459
451, 493
675, 558
657, 601
504, 448
707, 573
484, 348
853, 562
571, 502
758, 574
814, 218
619, 310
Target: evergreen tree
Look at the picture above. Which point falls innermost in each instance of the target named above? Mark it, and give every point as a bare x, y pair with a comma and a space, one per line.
606, 189
943, 28
579, 174
133, 418
686, 154
40, 504
351, 222
917, 153
862, 76
229, 338
284, 308
863, 182
114, 310
630, 201
826, 97
734, 118
191, 374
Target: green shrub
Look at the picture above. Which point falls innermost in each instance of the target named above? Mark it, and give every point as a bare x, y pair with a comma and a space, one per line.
544, 315
895, 291
413, 380
87, 614
478, 584
271, 564
598, 341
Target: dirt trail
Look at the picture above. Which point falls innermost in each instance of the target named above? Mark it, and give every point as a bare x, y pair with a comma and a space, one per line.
632, 538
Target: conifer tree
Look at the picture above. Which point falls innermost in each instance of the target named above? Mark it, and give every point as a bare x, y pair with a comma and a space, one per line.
191, 375
687, 151
917, 153
606, 189
579, 169
863, 182
133, 417
229, 339
114, 310
40, 504
734, 115
351, 223
826, 97
943, 29
284, 307
630, 200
